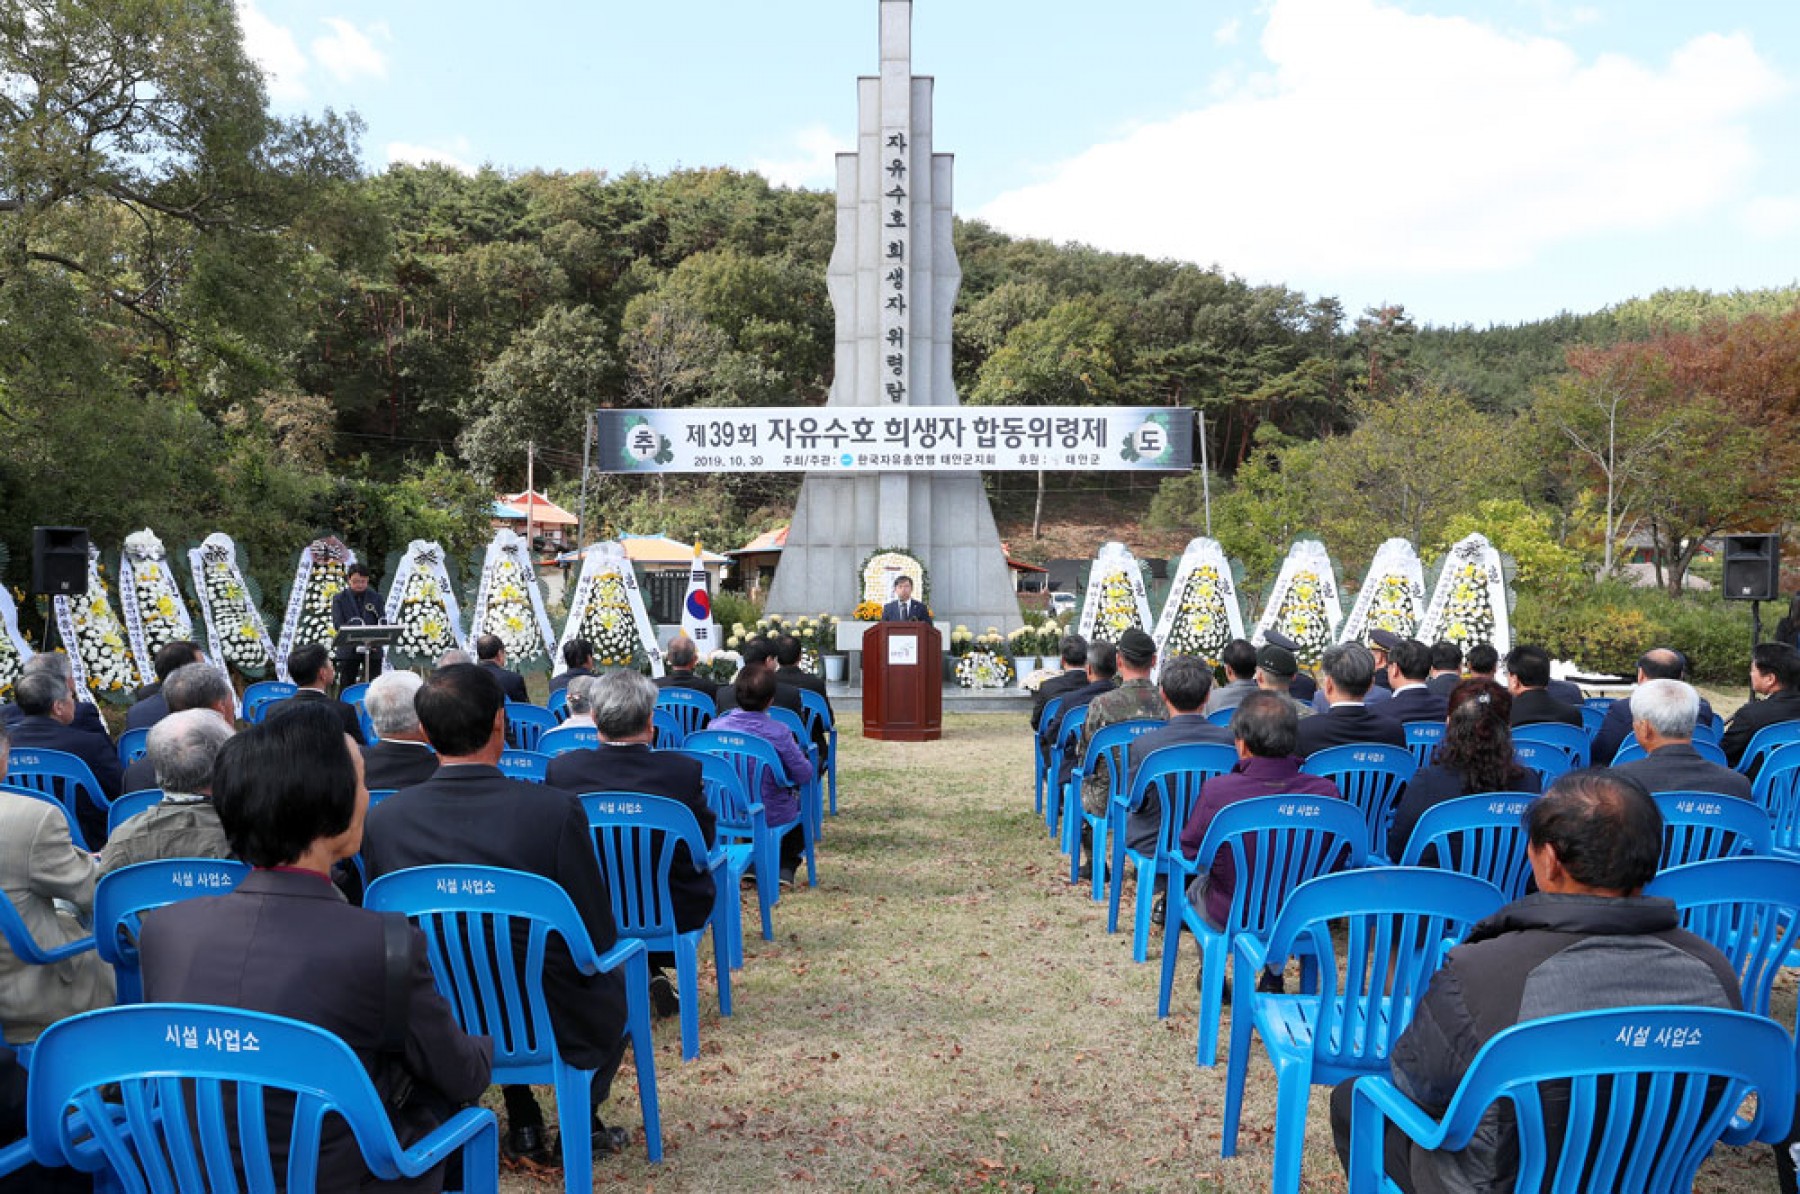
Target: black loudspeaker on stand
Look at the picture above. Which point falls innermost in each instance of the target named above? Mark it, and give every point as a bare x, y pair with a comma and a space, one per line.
1752, 567
59, 561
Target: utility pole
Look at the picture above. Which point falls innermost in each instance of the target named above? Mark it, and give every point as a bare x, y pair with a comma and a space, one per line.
587, 447
1205, 475
530, 494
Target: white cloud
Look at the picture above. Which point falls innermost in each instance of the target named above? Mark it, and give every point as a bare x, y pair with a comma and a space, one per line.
348, 53
1227, 34
273, 48
1383, 140
1771, 215
813, 162
456, 157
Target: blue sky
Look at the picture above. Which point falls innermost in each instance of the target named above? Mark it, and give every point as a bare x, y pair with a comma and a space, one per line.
1478, 162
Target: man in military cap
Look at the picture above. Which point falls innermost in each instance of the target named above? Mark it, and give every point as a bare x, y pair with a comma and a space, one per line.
1304, 688
1135, 697
1276, 668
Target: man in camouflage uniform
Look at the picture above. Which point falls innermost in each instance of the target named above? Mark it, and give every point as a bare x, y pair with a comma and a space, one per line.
1135, 697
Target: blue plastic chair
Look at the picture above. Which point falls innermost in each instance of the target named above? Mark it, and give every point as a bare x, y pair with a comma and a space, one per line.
1041, 748
812, 792
1422, 737
1665, 1101
157, 1139
25, 946
259, 696
1550, 762
1062, 748
1631, 750
1396, 924
1593, 719
130, 805
1708, 733
1567, 739
1766, 742
1221, 717
817, 710
667, 728
739, 825
377, 795
1776, 790
55, 773
75, 834
692, 710
635, 836
524, 764
752, 757
566, 738
133, 745
354, 693
1598, 704
121, 898
1483, 836
1172, 777
1370, 776
1699, 826
525, 724
494, 980
558, 704
1276, 843
1748, 907
1107, 750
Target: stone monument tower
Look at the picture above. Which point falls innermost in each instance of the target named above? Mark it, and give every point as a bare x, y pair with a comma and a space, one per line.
893, 282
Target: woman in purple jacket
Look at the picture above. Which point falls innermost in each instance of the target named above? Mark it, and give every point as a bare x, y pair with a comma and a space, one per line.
754, 689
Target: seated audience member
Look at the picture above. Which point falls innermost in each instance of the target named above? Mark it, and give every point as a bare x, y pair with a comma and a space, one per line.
683, 657
470, 812
1264, 730
759, 653
1474, 757
1074, 675
1183, 684
789, 671
1409, 664
314, 674
150, 706
1775, 677
1527, 677
1381, 642
490, 656
1276, 668
48, 703
1346, 672
1135, 699
291, 797
1483, 661
40, 868
184, 823
400, 756
1658, 663
1662, 717
581, 703
1586, 940
1303, 687
755, 688
1446, 668
452, 657
1239, 661
624, 705
578, 655
190, 686
56, 663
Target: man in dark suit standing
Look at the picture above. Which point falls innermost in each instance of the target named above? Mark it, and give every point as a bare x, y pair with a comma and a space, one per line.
903, 608
1658, 663
400, 756
151, 706
469, 812
47, 712
1775, 676
490, 657
1409, 666
683, 657
1346, 672
1073, 676
1528, 676
358, 605
624, 704
1662, 717
310, 667
578, 654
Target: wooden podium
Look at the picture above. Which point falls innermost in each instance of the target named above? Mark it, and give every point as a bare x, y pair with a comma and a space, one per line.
903, 682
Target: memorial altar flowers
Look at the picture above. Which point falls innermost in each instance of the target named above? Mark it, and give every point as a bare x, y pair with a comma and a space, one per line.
1304, 602
150, 599
14, 650
1470, 603
509, 603
422, 602
236, 634
607, 610
1392, 597
321, 572
985, 663
1115, 600
99, 652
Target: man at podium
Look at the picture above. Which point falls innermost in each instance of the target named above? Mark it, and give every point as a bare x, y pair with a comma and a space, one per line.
903, 608
358, 605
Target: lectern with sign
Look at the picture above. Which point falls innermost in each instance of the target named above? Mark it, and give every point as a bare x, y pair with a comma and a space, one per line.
903, 682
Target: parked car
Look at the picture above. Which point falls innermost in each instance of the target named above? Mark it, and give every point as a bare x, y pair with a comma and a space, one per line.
1063, 604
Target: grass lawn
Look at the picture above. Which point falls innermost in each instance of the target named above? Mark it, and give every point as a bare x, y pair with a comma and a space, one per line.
945, 1012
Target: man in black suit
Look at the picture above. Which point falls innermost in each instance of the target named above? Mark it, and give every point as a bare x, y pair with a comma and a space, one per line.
359, 604
310, 667
469, 812
789, 671
47, 712
191, 686
1662, 717
903, 608
150, 706
1446, 669
760, 652
683, 656
490, 657
56, 663
1073, 676
400, 756
1658, 663
1528, 676
1409, 665
1775, 677
1102, 676
1346, 672
624, 705
1185, 682
578, 654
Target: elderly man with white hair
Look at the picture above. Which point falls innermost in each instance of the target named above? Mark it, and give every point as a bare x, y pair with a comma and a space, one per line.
400, 757
183, 824
581, 701
1662, 718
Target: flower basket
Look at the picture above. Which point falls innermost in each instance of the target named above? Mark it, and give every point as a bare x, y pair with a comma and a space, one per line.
509, 604
14, 650
320, 573
230, 605
422, 602
99, 654
986, 665
150, 599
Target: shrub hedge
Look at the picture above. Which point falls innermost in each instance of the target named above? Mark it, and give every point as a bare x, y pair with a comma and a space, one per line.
1605, 628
